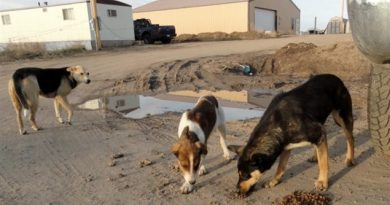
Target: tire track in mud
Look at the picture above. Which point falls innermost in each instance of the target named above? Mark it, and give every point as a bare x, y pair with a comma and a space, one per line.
83, 180
65, 172
154, 132
10, 187
65, 157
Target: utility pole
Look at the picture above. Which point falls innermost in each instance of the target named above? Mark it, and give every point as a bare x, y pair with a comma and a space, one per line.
342, 9
98, 43
315, 23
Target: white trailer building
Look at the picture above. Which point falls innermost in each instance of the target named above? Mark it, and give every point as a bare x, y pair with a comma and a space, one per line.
67, 25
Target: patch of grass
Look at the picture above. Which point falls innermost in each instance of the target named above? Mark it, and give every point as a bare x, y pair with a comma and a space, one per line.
17, 51
68, 52
20, 51
222, 36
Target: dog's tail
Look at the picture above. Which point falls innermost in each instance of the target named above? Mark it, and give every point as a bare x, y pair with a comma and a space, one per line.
17, 79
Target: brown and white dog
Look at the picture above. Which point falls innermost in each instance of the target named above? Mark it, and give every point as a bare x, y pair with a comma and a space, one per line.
28, 83
195, 127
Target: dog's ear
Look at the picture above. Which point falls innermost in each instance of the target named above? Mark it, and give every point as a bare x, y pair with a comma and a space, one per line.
175, 149
71, 68
238, 149
185, 133
202, 147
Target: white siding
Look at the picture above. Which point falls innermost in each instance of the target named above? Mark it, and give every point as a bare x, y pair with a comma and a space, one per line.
46, 25
116, 28
123, 103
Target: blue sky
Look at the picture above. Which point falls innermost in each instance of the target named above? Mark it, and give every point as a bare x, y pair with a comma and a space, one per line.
323, 9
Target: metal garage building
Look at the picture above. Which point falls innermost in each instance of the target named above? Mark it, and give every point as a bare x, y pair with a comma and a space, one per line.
197, 16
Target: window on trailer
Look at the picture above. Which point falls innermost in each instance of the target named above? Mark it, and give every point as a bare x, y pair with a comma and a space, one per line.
120, 103
111, 13
68, 14
6, 19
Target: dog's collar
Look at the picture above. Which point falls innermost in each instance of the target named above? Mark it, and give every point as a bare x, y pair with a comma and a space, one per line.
73, 83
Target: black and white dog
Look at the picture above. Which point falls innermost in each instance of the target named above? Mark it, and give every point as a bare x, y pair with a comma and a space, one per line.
294, 119
195, 127
28, 83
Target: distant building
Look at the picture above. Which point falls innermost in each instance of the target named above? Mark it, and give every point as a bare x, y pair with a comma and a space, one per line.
337, 25
66, 25
197, 16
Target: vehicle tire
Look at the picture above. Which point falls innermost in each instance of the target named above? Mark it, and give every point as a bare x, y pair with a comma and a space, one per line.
147, 39
379, 107
166, 41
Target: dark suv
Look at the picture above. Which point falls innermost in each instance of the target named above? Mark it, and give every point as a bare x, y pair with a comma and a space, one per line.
149, 33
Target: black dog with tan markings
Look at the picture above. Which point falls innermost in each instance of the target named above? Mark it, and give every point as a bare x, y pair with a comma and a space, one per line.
294, 119
28, 83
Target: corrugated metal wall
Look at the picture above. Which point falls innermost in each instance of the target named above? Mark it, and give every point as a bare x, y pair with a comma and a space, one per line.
224, 17
287, 15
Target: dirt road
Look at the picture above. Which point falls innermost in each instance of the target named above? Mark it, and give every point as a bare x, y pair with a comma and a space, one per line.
70, 164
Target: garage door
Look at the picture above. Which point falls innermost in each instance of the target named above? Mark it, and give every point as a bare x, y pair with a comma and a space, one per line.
264, 20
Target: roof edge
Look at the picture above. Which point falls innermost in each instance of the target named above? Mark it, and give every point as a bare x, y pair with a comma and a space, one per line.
295, 6
184, 7
61, 4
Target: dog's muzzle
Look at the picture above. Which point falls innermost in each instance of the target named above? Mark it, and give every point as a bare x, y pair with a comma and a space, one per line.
88, 81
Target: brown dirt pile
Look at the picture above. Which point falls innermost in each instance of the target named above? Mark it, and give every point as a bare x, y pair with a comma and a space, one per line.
285, 68
302, 59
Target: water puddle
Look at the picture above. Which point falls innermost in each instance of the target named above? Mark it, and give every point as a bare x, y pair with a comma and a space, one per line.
139, 106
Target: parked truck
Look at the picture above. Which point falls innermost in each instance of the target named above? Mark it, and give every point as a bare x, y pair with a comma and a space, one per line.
149, 33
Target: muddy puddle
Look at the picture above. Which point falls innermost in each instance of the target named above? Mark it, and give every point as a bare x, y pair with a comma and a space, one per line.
237, 105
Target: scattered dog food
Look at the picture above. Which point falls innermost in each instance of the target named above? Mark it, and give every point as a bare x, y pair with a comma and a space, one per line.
110, 179
214, 203
162, 155
117, 156
121, 188
236, 195
112, 163
145, 163
303, 198
120, 175
89, 178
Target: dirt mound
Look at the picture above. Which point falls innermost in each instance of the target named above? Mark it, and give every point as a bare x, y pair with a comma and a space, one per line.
305, 59
283, 69
222, 36
295, 48
253, 35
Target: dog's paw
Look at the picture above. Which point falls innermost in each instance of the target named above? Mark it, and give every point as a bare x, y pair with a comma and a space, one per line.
60, 120
271, 184
35, 128
202, 170
321, 185
186, 188
228, 157
22, 132
349, 162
